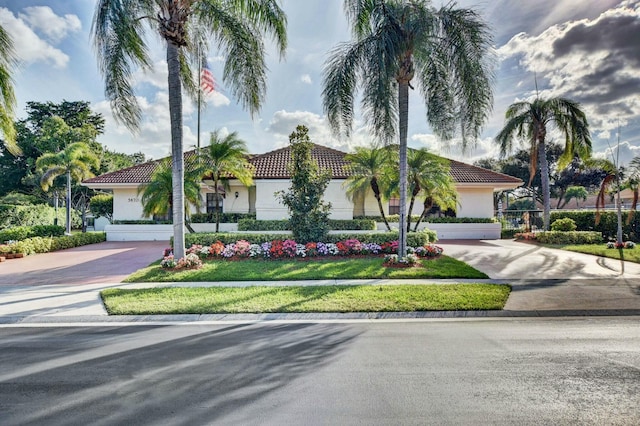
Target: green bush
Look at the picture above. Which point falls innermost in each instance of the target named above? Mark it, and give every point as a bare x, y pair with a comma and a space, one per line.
224, 217
586, 221
40, 214
19, 233
414, 239
47, 244
142, 222
573, 237
566, 224
445, 219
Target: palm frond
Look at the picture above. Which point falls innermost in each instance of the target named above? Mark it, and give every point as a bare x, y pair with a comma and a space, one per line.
7, 94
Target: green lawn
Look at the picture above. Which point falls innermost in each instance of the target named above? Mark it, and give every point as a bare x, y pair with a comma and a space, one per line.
278, 270
386, 298
632, 255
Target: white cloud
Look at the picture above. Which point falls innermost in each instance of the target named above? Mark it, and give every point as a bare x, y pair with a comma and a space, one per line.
306, 78
29, 47
44, 20
453, 150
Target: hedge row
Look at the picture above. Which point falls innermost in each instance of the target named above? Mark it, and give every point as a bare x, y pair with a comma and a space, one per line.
283, 225
47, 244
445, 219
20, 233
608, 226
414, 239
570, 237
224, 217
40, 214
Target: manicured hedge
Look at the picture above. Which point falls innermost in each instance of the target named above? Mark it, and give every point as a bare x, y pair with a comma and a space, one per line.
224, 217
20, 233
445, 219
571, 237
48, 244
608, 226
414, 239
283, 225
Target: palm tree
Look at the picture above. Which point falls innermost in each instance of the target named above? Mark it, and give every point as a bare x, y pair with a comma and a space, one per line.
529, 121
157, 195
7, 96
75, 161
185, 26
429, 177
369, 167
447, 50
225, 158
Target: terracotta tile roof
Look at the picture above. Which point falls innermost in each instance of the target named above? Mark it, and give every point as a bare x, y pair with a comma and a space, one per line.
466, 173
273, 165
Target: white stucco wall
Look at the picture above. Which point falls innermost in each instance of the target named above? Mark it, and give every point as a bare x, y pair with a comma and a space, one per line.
475, 202
126, 204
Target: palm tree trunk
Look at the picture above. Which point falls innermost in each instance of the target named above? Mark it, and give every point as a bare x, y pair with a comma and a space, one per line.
414, 193
376, 192
428, 203
217, 204
403, 114
68, 229
544, 177
175, 114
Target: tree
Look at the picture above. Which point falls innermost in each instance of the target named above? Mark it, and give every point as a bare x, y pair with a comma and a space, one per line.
101, 205
184, 26
446, 50
530, 120
369, 167
225, 158
577, 192
309, 214
75, 161
157, 195
7, 95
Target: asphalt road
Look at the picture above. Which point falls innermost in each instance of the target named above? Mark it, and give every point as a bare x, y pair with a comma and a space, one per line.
532, 371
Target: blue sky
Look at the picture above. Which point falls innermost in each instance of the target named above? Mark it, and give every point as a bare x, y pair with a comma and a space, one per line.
586, 50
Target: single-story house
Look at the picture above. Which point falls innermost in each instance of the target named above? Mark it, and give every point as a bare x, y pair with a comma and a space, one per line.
475, 187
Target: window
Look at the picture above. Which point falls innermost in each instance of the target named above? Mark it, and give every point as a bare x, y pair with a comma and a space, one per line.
394, 205
211, 202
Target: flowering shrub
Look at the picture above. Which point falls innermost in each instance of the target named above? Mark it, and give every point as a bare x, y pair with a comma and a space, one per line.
627, 245
168, 262
393, 259
279, 249
190, 261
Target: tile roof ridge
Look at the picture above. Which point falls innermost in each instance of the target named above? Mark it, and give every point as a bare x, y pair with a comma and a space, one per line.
484, 169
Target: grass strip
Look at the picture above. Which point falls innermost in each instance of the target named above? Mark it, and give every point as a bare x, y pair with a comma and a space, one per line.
305, 299
316, 269
632, 255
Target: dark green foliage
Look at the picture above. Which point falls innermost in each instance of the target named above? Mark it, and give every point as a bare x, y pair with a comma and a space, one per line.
565, 224
48, 244
444, 219
309, 214
40, 214
283, 225
19, 233
224, 217
414, 239
586, 221
101, 205
574, 237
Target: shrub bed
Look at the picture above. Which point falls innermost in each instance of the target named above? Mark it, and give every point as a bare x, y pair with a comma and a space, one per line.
39, 214
446, 219
414, 239
224, 217
608, 226
47, 244
560, 237
20, 233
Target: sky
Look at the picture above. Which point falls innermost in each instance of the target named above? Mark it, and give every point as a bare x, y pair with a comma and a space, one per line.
585, 50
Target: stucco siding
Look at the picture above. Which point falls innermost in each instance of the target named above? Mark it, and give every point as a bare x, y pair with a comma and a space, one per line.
126, 204
475, 202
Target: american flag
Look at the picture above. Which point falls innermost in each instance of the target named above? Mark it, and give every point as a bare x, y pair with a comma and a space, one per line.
207, 82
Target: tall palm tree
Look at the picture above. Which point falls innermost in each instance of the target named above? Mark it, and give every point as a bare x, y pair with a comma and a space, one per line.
185, 26
369, 167
75, 161
226, 158
529, 121
447, 50
7, 95
157, 195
